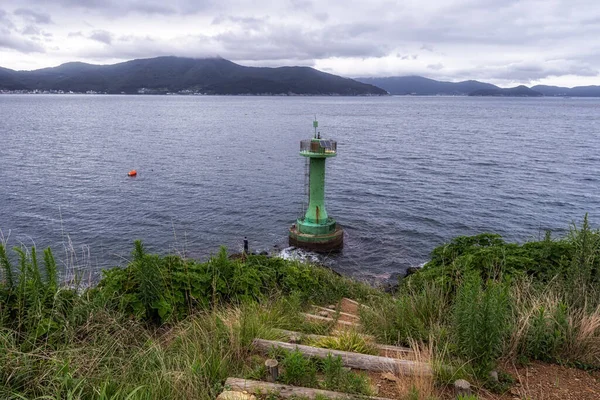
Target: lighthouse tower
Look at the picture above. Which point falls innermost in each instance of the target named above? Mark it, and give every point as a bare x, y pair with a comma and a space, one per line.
316, 230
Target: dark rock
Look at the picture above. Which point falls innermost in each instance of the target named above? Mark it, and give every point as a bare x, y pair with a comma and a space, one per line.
462, 388
392, 284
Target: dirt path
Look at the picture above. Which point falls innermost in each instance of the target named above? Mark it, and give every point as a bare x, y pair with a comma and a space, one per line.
541, 381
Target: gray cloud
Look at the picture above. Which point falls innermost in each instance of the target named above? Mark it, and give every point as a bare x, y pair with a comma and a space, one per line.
5, 21
295, 42
124, 7
301, 4
408, 56
101, 36
501, 40
130, 47
31, 30
150, 8
34, 16
321, 16
11, 42
253, 40
244, 22
530, 71
436, 67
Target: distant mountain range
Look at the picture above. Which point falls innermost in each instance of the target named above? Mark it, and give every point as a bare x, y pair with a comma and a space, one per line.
417, 85
162, 75
183, 75
519, 91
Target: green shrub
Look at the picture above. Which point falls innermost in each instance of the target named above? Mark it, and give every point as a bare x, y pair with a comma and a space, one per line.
298, 370
332, 368
336, 378
419, 311
575, 258
547, 333
31, 303
480, 322
162, 289
355, 383
302, 371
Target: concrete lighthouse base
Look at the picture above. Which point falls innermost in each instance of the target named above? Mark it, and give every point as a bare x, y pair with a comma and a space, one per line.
321, 243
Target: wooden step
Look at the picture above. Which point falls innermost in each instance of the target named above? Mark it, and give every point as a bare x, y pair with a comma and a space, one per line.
287, 391
235, 395
342, 316
351, 306
352, 360
340, 324
384, 349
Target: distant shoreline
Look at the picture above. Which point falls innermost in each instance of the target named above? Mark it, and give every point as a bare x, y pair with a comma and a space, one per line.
8, 93
198, 94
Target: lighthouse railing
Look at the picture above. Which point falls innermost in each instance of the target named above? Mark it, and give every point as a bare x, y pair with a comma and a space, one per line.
324, 146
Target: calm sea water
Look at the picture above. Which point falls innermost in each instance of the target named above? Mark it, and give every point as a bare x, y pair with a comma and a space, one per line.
411, 172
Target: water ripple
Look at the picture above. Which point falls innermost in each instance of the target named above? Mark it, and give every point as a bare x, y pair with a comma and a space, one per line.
412, 172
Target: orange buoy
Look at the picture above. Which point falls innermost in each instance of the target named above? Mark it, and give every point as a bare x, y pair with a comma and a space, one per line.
133, 172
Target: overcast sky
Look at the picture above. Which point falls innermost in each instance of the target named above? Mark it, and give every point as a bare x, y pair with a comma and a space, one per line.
505, 42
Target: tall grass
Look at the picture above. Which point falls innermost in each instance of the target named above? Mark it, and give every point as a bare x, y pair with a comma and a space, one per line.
482, 300
163, 327
413, 314
549, 326
168, 327
113, 356
419, 385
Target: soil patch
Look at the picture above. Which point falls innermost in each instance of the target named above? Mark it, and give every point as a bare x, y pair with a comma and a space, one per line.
541, 381
383, 387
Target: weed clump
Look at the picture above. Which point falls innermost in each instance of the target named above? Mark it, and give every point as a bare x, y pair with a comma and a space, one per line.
351, 341
480, 322
298, 370
328, 373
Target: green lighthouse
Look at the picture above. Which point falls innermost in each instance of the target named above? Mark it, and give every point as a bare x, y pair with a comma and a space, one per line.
316, 230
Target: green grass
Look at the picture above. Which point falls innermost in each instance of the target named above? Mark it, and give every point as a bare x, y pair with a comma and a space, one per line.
168, 327
413, 314
328, 374
480, 322
162, 327
167, 289
117, 356
298, 370
481, 300
351, 341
